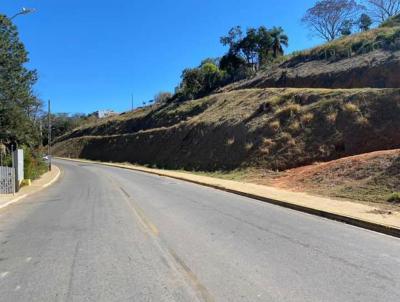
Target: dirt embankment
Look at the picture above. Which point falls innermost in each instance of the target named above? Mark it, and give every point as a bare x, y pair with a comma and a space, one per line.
368, 177
377, 69
263, 128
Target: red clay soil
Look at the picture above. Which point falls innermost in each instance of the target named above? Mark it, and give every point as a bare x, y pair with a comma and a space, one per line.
377, 171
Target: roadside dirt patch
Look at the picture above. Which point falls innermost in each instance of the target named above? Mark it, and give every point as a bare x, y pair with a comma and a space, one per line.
370, 177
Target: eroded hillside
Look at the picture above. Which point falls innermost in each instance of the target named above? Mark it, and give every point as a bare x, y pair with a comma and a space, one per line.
268, 128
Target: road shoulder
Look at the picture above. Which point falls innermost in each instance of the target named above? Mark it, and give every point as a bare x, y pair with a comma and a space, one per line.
43, 182
356, 214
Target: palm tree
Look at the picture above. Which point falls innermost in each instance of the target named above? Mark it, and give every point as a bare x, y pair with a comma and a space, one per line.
279, 39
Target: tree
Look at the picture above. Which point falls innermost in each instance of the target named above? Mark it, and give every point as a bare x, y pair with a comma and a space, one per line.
162, 97
19, 107
191, 84
199, 81
235, 35
365, 22
264, 45
250, 48
234, 66
211, 75
279, 39
245, 55
256, 48
381, 10
62, 123
327, 17
346, 28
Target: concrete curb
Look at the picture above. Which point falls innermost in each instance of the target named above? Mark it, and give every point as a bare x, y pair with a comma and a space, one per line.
53, 180
365, 224
16, 199
13, 201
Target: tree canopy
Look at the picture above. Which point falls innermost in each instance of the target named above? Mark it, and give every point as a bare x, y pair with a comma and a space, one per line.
365, 22
162, 97
328, 19
247, 52
199, 81
257, 47
19, 107
381, 10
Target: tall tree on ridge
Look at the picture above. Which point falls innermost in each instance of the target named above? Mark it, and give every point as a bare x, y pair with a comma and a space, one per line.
326, 17
381, 10
279, 39
365, 22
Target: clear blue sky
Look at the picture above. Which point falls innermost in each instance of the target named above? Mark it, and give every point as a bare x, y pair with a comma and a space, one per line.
93, 54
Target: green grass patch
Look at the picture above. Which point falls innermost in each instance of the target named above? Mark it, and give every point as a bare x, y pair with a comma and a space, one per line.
394, 197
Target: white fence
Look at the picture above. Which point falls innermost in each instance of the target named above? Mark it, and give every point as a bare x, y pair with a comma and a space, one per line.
7, 180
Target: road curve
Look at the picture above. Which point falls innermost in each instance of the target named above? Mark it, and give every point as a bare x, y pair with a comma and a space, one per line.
107, 234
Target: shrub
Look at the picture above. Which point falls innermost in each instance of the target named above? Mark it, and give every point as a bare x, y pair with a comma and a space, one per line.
267, 142
391, 22
267, 145
162, 97
34, 165
289, 110
394, 197
350, 107
307, 118
362, 121
331, 117
291, 142
285, 137
294, 126
274, 125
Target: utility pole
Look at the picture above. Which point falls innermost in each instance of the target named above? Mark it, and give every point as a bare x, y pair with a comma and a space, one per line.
41, 132
49, 135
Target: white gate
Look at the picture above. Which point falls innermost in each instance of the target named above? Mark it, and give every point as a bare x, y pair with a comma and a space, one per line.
7, 180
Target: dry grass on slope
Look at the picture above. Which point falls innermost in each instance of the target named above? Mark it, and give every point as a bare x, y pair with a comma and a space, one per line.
387, 38
372, 177
267, 128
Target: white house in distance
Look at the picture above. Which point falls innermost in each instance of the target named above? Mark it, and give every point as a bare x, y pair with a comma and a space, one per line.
104, 113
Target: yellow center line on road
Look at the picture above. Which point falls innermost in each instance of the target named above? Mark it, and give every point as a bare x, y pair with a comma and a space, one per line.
172, 257
136, 209
140, 213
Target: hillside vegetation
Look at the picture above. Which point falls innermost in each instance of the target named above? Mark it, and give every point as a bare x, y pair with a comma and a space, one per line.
268, 128
384, 37
366, 59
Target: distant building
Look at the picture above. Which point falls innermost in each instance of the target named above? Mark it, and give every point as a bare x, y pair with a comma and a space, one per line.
103, 113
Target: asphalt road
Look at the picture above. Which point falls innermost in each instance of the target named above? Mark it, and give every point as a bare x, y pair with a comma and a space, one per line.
108, 234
